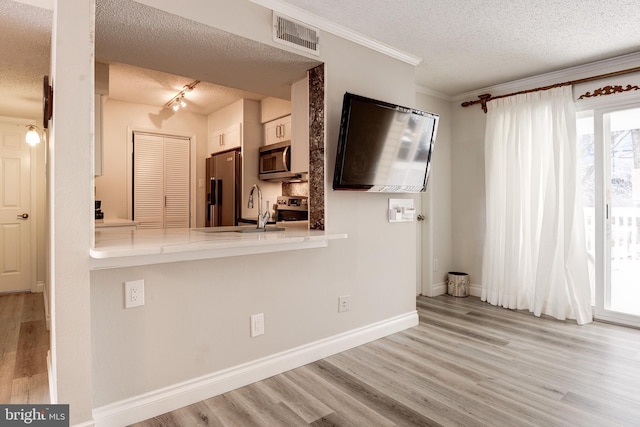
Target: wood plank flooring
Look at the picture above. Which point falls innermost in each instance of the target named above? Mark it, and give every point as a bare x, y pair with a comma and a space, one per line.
466, 364
24, 342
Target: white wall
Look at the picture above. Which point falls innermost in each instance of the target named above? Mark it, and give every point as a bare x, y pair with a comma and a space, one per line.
120, 118
436, 245
196, 316
468, 193
70, 194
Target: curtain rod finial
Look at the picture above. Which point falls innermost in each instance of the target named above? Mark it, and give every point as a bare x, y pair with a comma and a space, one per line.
483, 101
484, 98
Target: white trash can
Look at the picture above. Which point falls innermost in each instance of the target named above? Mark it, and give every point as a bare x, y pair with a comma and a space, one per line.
458, 284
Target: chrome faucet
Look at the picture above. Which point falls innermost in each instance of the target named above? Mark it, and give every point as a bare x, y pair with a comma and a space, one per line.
262, 219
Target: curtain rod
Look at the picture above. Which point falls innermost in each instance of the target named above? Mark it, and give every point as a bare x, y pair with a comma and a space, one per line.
487, 97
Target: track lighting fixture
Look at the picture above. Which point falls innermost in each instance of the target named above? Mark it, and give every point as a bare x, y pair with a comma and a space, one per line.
178, 102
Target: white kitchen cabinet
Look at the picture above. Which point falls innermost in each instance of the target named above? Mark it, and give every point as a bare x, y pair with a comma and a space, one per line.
300, 126
226, 139
277, 130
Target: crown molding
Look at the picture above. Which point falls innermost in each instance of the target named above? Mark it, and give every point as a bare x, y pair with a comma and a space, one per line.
573, 73
323, 24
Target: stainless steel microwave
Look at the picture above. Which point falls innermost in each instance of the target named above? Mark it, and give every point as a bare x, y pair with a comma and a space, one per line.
275, 162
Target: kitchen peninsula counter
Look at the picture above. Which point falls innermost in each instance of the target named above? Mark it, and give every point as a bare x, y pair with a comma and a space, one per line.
145, 247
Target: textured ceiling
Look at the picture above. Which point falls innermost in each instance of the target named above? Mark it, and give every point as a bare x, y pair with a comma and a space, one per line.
25, 43
149, 87
465, 45
472, 44
131, 33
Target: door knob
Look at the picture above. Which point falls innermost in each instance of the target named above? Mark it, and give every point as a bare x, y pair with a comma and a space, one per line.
23, 216
420, 217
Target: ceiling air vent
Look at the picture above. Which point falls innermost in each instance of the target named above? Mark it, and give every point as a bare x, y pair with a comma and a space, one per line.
293, 33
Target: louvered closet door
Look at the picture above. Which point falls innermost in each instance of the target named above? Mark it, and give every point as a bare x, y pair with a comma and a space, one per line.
160, 181
176, 187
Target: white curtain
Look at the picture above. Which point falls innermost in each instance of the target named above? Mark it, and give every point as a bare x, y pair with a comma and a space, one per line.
535, 255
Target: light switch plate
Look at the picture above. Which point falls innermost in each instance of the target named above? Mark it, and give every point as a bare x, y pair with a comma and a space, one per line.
257, 325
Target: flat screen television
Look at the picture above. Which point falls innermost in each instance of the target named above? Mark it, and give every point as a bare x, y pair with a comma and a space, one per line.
383, 147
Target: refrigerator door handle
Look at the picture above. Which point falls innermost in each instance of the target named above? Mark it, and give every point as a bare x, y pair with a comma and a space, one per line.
213, 199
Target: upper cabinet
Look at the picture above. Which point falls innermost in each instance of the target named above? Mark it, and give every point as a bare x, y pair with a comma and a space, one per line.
226, 139
277, 130
234, 126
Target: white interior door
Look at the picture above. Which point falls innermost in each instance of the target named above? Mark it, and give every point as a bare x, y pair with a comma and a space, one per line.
15, 209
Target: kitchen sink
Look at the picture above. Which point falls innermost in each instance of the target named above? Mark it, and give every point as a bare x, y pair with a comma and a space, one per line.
238, 229
258, 230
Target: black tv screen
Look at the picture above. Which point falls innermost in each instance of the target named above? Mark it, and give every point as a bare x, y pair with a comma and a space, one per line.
383, 147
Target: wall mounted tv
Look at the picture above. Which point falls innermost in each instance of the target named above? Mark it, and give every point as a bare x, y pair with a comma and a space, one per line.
383, 147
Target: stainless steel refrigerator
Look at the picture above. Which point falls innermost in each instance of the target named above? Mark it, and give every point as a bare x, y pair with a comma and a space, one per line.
224, 188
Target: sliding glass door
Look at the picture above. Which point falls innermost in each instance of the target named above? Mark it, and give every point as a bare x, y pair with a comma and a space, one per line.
610, 143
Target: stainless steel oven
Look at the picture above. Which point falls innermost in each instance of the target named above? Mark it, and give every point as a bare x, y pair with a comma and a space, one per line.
292, 208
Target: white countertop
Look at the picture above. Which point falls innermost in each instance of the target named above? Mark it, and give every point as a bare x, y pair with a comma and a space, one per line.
115, 222
143, 247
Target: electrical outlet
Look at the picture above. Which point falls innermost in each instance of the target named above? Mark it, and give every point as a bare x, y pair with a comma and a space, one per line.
257, 325
133, 293
344, 303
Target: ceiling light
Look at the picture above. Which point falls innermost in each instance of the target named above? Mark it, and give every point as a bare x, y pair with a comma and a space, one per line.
177, 101
33, 135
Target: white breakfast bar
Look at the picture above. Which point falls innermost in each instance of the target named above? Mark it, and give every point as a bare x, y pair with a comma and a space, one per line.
145, 247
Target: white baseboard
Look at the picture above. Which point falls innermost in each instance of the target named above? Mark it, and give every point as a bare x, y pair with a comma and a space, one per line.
149, 405
53, 385
475, 290
439, 289
39, 287
47, 313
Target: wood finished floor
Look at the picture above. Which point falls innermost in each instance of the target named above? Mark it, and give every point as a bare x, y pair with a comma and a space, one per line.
24, 342
466, 364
